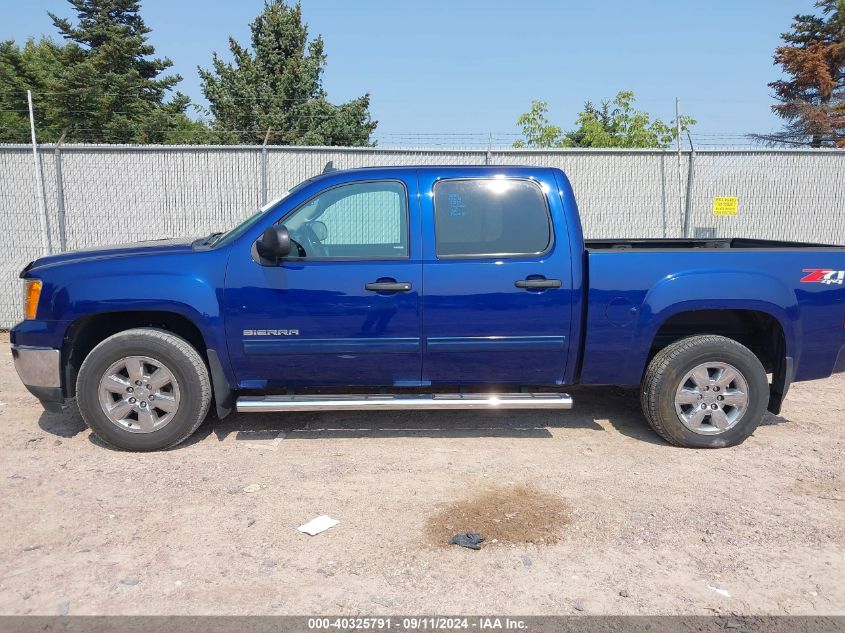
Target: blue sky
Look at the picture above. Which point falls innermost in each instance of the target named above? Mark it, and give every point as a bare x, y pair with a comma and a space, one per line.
438, 69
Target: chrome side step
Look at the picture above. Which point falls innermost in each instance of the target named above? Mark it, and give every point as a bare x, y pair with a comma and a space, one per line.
374, 402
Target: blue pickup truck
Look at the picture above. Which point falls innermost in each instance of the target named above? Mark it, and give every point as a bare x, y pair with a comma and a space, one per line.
427, 288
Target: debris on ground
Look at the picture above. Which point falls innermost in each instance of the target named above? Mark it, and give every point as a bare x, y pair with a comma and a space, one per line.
720, 591
320, 524
470, 540
252, 488
271, 445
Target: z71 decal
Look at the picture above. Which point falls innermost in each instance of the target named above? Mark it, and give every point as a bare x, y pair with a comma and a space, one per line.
823, 276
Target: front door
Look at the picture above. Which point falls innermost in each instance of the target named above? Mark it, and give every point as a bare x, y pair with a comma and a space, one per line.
344, 308
498, 281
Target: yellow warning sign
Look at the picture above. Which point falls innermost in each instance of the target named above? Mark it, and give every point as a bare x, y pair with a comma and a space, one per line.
725, 205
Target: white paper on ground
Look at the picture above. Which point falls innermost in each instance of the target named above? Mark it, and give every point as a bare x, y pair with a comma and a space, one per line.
320, 524
720, 591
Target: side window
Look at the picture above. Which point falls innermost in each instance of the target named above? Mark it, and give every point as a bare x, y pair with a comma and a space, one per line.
490, 217
359, 220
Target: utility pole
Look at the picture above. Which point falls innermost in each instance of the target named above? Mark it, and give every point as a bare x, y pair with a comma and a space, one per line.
46, 243
680, 166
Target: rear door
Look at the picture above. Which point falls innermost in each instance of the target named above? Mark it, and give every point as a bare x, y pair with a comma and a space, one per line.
497, 278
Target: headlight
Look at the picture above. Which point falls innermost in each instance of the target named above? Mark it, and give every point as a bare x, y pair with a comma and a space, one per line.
31, 295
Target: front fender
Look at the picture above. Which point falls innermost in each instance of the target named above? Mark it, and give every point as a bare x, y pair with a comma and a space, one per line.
191, 297
714, 290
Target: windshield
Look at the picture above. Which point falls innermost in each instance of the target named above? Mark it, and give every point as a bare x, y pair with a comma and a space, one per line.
229, 236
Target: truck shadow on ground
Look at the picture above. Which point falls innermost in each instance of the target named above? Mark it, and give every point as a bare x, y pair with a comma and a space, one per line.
594, 408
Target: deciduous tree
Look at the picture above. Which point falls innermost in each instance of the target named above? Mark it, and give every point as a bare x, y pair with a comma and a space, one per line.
614, 123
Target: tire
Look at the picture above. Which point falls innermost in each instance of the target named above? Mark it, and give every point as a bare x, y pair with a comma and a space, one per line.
688, 401
107, 383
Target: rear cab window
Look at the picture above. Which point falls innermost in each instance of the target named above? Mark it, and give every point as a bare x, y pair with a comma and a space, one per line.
491, 217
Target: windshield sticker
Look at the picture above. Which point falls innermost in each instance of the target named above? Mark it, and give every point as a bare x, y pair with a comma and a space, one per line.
457, 208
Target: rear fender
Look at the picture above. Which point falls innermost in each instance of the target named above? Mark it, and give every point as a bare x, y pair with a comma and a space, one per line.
713, 290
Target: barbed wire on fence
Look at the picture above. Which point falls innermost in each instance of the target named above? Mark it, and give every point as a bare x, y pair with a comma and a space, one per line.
490, 139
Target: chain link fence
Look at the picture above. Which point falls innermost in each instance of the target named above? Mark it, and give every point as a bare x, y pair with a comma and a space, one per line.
108, 194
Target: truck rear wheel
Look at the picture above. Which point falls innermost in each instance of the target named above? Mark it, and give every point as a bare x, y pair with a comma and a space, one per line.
704, 392
143, 390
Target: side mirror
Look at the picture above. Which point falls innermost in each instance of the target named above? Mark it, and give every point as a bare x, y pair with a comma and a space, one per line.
274, 243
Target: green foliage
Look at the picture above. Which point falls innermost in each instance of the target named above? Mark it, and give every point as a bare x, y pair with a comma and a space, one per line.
536, 129
115, 90
614, 123
102, 85
30, 67
277, 87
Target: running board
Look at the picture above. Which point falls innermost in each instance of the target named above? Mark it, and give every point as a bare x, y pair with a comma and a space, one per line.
374, 402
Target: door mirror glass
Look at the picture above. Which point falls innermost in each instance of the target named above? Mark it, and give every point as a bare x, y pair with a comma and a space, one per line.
274, 244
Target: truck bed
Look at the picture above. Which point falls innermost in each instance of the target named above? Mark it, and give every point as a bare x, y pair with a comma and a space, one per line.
708, 243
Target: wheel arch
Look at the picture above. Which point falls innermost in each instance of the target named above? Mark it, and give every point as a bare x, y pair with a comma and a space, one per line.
762, 331
89, 331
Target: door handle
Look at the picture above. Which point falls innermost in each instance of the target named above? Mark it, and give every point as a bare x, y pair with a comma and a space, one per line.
388, 286
537, 283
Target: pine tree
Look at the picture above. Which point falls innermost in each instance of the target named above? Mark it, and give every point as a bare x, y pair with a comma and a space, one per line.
812, 99
22, 69
275, 89
110, 88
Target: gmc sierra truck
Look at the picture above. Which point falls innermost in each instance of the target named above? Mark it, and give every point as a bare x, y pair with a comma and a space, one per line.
427, 288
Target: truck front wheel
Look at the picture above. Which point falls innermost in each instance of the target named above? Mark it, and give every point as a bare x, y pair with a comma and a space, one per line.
704, 391
143, 389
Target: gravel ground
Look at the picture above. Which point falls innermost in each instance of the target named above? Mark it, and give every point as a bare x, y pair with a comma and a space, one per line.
210, 527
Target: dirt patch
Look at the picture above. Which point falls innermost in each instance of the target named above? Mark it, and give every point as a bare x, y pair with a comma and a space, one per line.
513, 514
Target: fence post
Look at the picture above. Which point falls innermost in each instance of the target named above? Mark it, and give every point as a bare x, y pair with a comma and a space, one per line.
264, 168
46, 242
690, 176
663, 191
680, 168
60, 193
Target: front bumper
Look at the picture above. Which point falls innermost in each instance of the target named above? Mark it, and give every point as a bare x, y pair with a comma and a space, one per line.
39, 369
